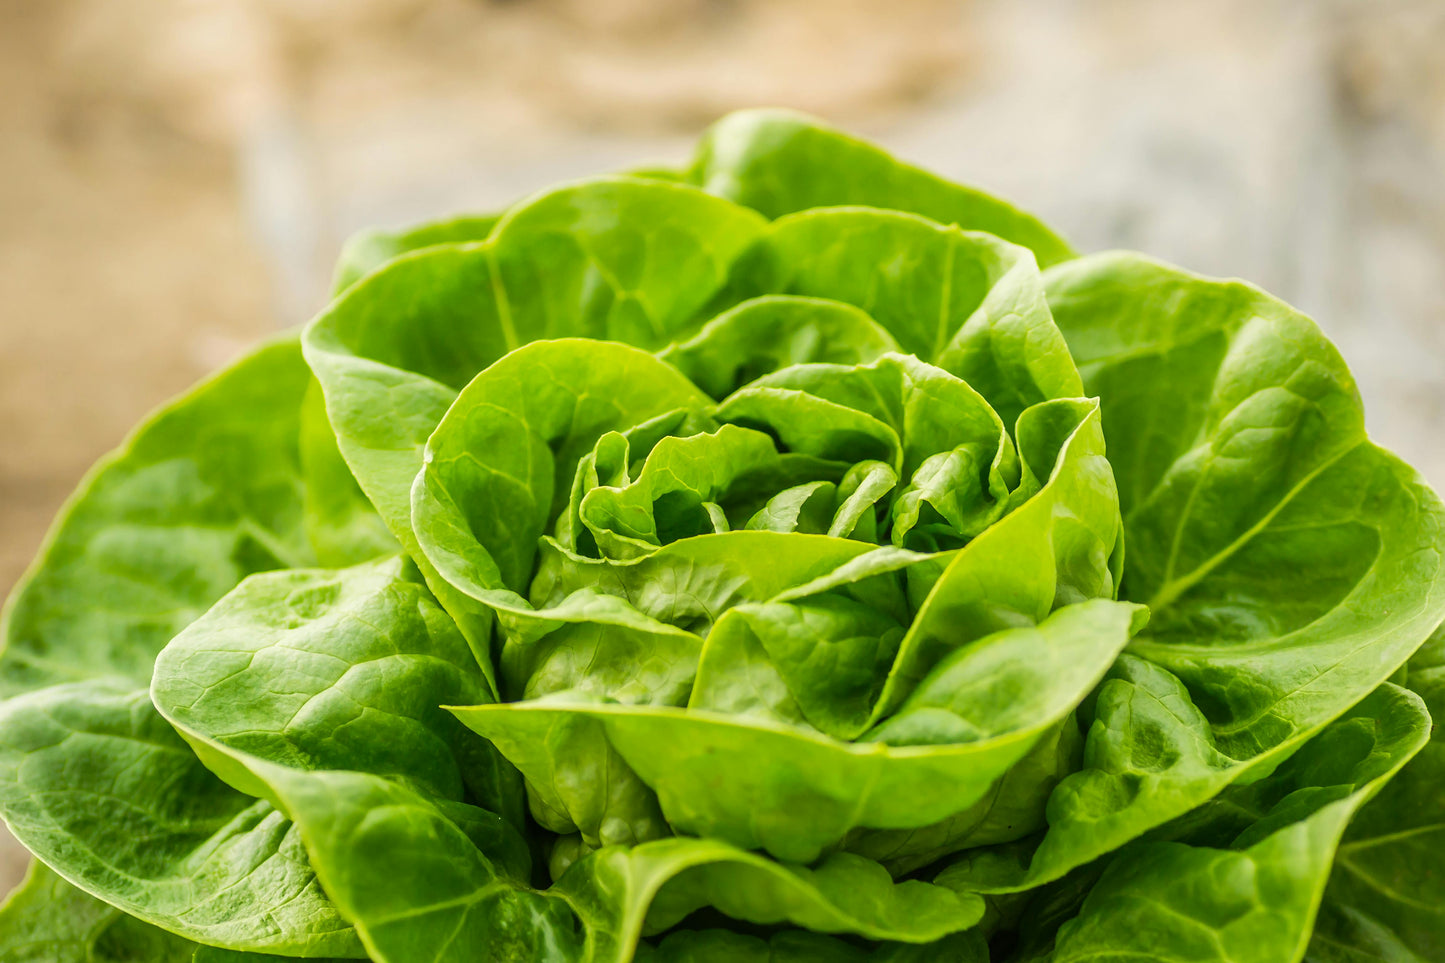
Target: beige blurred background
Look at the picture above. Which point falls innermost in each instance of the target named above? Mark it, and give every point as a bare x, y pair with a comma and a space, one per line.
176, 176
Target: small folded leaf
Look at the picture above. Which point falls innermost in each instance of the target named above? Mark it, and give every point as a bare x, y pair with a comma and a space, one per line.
775, 331
500, 465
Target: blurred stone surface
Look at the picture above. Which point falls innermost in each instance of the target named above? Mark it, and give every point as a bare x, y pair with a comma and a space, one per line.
177, 175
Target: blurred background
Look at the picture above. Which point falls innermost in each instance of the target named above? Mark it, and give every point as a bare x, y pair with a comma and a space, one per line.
176, 176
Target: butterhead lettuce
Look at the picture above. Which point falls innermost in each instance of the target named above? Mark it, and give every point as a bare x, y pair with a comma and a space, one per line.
789, 557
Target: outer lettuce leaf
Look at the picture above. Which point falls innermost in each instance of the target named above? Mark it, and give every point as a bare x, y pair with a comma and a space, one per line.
1257, 900
46, 920
780, 162
417, 889
97, 784
343, 527
1289, 564
336, 670
412, 881
304, 668
1386, 897
1260, 465
369, 249
205, 492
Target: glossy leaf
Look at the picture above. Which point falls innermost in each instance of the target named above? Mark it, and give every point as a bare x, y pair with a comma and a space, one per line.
1289, 564
342, 526
368, 250
417, 889
46, 920
780, 162
965, 301
535, 414
775, 331
341, 670
815, 789
205, 492
1386, 897
1257, 900
95, 782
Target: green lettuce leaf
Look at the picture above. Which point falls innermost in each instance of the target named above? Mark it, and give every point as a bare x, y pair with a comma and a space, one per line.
799, 946
345, 669
1386, 897
780, 162
205, 492
97, 784
729, 563
46, 920
1289, 565
417, 889
814, 790
963, 300
1255, 900
368, 250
